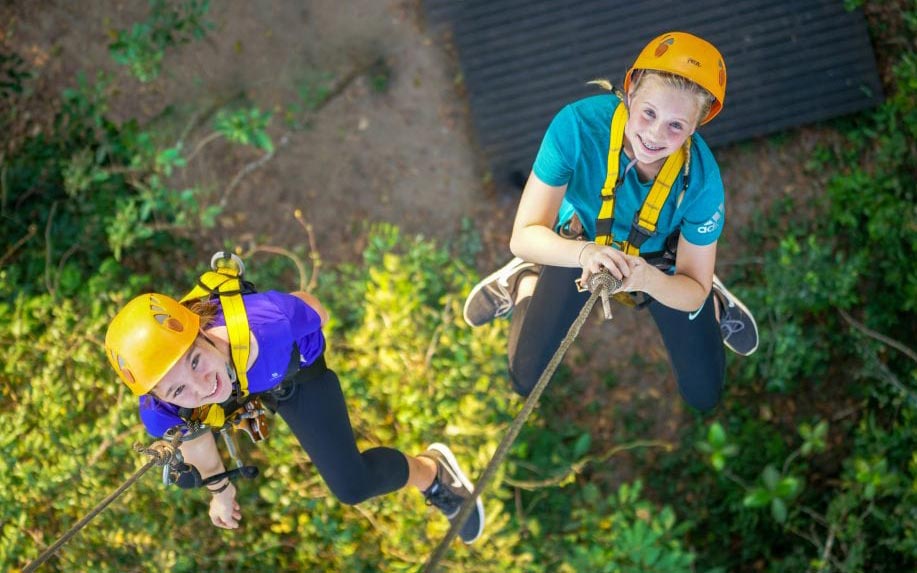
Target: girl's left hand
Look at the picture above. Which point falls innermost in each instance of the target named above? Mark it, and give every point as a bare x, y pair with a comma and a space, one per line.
634, 272
224, 509
637, 280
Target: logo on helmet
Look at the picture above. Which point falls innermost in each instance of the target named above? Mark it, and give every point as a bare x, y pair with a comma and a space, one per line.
663, 46
722, 76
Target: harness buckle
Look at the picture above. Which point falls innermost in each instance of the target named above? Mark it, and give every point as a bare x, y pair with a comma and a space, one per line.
638, 233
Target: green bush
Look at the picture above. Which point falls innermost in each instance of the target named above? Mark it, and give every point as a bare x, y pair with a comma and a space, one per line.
413, 373
171, 23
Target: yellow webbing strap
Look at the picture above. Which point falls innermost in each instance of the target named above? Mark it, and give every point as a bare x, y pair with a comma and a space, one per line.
227, 284
215, 417
652, 205
616, 141
662, 187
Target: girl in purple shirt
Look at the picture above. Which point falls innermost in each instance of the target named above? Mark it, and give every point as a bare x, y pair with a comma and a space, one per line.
177, 358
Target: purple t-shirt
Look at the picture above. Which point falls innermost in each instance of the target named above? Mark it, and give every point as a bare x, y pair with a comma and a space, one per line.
277, 320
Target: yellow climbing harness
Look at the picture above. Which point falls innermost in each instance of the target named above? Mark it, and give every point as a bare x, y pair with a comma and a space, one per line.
225, 281
644, 223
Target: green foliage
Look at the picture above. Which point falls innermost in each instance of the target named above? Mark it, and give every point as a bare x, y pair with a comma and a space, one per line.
13, 74
86, 190
412, 372
314, 89
92, 188
380, 75
622, 534
813, 438
717, 447
246, 127
776, 491
170, 23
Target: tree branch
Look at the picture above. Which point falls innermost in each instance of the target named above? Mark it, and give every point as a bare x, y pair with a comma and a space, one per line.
878, 336
578, 466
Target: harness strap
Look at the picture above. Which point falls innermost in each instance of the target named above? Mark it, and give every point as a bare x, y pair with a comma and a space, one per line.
228, 285
644, 224
605, 221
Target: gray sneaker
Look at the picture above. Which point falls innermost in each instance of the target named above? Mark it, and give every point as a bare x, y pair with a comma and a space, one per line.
737, 325
449, 491
495, 296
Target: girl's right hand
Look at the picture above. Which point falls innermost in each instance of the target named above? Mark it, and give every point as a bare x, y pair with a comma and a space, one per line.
224, 509
593, 258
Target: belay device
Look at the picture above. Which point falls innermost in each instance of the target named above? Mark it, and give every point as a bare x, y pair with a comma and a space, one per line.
242, 411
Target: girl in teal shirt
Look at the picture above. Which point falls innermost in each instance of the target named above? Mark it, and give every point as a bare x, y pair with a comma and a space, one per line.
575, 218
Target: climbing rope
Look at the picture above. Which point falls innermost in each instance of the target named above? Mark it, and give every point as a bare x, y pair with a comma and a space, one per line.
601, 285
160, 452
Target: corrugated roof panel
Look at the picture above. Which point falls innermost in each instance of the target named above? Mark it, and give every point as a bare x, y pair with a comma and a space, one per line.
790, 63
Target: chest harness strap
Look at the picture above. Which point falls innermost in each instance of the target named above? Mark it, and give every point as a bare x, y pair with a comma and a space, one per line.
644, 224
225, 282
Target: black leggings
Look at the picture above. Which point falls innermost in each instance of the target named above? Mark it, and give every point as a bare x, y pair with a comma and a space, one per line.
541, 321
317, 414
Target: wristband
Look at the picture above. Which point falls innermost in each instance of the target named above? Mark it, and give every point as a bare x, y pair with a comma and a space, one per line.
579, 257
220, 489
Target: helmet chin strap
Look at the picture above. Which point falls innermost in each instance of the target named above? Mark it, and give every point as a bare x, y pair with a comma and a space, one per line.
234, 380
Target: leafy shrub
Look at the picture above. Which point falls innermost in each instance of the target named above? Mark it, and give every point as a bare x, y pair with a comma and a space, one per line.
171, 23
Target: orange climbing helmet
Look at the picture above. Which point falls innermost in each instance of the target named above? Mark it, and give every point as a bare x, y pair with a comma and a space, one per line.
688, 56
147, 337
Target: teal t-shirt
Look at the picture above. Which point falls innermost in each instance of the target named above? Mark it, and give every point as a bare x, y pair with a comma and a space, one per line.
574, 152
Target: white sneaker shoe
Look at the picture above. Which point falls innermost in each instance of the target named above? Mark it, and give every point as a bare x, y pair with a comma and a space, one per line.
495, 296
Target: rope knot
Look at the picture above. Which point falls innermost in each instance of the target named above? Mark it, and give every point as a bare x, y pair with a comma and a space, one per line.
604, 283
160, 451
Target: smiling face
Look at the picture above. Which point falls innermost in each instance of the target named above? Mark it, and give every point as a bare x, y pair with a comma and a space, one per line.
661, 118
202, 376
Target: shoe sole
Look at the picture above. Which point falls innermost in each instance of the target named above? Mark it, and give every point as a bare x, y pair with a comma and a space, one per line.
481, 284
719, 284
454, 466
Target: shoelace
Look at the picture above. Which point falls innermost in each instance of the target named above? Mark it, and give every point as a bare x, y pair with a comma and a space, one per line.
504, 298
729, 327
443, 499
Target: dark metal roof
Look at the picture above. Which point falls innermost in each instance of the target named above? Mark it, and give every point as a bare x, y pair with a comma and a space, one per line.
790, 63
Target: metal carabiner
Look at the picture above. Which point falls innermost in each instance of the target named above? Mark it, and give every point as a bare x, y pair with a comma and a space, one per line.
224, 260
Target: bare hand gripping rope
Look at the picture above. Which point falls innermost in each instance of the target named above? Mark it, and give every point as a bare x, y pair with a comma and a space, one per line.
602, 285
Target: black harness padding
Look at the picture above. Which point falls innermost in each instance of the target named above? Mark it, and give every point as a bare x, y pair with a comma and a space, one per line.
664, 260
294, 375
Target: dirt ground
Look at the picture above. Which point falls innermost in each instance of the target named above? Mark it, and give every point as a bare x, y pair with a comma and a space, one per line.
395, 144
